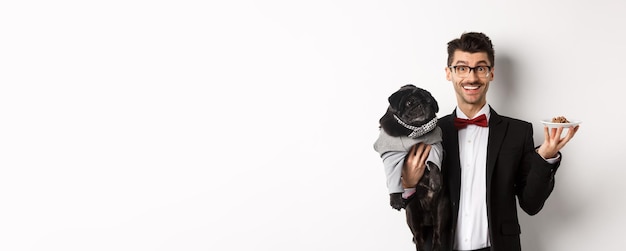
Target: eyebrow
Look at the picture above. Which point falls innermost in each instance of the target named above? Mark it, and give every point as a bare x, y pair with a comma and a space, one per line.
477, 63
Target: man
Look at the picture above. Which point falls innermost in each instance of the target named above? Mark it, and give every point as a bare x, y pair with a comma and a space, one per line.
488, 164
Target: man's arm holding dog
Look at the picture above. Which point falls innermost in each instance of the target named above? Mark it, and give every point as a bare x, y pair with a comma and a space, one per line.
414, 165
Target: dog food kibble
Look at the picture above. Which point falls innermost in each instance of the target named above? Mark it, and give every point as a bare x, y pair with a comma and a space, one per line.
560, 119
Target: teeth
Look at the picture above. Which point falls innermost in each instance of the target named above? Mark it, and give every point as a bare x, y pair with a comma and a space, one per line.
470, 87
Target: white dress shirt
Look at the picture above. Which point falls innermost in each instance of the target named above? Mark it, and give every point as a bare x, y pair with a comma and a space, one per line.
472, 229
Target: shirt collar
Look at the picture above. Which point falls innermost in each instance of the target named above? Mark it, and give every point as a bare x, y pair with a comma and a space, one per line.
485, 110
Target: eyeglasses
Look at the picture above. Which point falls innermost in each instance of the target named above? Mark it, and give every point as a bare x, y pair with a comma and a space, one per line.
464, 70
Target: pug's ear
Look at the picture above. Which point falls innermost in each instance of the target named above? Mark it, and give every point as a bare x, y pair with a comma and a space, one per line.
435, 104
395, 99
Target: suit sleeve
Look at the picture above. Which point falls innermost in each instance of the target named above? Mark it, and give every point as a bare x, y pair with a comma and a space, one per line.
536, 180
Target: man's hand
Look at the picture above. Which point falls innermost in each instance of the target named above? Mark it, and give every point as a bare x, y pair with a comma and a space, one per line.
414, 165
553, 143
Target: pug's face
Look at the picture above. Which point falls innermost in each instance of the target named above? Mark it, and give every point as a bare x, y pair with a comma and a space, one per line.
413, 105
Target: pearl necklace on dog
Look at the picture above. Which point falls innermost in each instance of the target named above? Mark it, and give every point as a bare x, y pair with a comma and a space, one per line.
418, 130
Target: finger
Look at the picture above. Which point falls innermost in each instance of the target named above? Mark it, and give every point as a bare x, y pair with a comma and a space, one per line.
420, 149
413, 160
417, 156
424, 155
412, 151
570, 134
426, 151
557, 135
552, 133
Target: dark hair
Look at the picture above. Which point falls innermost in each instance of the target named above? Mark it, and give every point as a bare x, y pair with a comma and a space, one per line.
471, 42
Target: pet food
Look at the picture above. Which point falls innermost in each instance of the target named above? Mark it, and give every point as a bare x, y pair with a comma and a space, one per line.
560, 119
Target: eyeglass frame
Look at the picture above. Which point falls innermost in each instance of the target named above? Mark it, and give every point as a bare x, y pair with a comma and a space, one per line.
453, 67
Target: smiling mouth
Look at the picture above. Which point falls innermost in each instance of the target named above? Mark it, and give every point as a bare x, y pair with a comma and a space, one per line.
471, 87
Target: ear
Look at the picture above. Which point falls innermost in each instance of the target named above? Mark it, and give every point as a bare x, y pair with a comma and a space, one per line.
396, 98
448, 74
435, 104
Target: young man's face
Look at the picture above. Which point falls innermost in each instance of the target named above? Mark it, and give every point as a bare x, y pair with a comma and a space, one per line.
470, 87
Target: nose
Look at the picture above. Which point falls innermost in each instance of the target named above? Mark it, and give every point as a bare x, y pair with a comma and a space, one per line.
471, 76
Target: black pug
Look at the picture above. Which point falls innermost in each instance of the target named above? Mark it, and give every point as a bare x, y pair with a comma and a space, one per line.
411, 119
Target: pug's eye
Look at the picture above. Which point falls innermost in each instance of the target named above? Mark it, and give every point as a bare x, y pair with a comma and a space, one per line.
408, 103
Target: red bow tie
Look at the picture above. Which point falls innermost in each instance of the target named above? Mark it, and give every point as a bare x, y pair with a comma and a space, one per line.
479, 121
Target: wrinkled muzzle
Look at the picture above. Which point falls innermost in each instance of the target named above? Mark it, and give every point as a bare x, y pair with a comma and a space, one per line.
418, 114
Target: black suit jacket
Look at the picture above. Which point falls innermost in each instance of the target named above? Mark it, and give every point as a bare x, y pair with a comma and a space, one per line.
514, 169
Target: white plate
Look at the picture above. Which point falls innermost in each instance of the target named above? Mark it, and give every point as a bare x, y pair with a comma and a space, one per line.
550, 124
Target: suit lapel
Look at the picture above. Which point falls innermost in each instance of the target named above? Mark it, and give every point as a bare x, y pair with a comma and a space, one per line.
452, 161
497, 131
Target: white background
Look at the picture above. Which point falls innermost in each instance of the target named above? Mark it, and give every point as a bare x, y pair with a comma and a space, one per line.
248, 125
